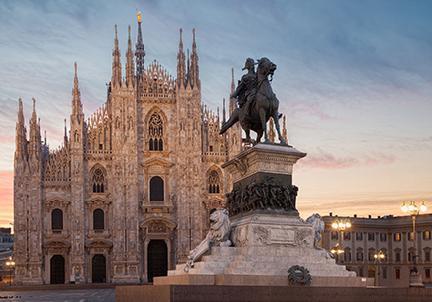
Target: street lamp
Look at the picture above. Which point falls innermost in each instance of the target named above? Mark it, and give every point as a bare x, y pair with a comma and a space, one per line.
337, 250
380, 256
10, 264
339, 225
413, 209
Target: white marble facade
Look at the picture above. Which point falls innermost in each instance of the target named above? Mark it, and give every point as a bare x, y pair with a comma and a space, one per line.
129, 191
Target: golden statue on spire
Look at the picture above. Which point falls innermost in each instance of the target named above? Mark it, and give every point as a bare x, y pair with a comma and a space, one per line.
139, 16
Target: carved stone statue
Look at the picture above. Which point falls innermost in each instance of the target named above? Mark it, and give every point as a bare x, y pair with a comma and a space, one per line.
218, 235
318, 227
257, 102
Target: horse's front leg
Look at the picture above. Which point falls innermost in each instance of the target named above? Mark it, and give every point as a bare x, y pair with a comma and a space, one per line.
248, 138
259, 136
276, 121
262, 115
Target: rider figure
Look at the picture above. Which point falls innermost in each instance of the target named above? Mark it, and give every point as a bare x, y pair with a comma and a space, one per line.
246, 89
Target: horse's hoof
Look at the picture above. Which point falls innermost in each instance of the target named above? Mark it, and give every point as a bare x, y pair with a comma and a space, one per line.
267, 141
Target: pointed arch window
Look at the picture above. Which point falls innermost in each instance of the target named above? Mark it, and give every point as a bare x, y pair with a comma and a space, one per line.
214, 182
155, 133
98, 181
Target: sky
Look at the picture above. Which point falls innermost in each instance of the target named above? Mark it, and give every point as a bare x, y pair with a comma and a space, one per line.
354, 79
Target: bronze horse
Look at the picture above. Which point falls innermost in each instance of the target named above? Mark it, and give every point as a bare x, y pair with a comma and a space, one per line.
263, 106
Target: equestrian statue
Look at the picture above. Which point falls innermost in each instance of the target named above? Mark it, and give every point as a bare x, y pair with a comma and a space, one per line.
256, 101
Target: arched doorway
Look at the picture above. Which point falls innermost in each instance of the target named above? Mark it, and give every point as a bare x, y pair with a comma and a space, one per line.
157, 259
57, 269
98, 269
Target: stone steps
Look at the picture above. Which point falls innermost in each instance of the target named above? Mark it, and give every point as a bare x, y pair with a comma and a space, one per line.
264, 260
239, 265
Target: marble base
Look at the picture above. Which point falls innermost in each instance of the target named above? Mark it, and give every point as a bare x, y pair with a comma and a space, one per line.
271, 228
267, 245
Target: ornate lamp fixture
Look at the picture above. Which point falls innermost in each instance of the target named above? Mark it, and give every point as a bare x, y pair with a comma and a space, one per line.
413, 209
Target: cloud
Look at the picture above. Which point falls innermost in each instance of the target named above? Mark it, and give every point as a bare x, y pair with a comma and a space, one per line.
6, 197
343, 68
361, 207
325, 160
311, 109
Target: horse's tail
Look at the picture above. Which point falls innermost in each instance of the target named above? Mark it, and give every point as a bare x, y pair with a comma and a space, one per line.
224, 128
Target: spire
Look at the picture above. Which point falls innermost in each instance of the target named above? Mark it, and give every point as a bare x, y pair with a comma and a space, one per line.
76, 95
34, 116
20, 135
45, 140
130, 72
116, 64
139, 51
180, 62
232, 101
271, 131
223, 112
20, 112
194, 69
187, 67
35, 137
284, 129
65, 138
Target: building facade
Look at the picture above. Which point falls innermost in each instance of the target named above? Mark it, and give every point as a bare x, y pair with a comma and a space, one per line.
6, 248
393, 236
129, 192
6, 239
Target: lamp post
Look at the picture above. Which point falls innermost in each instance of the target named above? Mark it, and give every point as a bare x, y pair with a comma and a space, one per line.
380, 256
414, 210
10, 264
339, 225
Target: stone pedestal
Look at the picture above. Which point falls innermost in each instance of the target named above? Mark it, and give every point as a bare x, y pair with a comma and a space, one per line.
262, 180
267, 233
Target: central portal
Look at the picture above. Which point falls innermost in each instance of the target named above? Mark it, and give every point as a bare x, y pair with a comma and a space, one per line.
98, 269
157, 259
57, 269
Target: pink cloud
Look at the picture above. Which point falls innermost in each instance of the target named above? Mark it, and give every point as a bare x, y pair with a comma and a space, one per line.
6, 197
9, 139
363, 207
313, 109
378, 159
326, 160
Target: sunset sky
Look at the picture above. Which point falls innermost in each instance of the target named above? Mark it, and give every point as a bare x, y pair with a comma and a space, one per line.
354, 79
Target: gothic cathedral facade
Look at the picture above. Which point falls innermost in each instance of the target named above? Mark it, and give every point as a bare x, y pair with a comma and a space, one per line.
129, 192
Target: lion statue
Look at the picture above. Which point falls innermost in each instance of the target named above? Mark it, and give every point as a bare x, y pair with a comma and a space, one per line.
218, 235
318, 227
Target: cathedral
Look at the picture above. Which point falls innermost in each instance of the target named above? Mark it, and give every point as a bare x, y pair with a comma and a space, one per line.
129, 191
